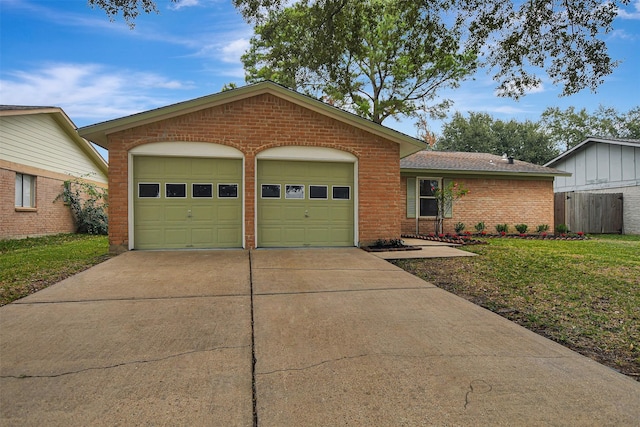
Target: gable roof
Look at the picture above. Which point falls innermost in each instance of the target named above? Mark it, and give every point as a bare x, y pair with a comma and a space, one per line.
65, 123
612, 141
98, 132
473, 164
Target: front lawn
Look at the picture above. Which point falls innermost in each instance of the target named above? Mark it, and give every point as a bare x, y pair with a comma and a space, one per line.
28, 265
583, 294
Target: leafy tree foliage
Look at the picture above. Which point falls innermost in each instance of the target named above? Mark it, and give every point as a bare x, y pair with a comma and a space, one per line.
482, 133
565, 39
568, 128
384, 60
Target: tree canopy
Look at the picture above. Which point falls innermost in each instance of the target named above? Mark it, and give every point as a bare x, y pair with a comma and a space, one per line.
384, 60
517, 39
568, 128
482, 133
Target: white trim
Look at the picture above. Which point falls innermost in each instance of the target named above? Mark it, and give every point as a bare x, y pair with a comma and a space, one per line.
201, 183
341, 186
326, 187
314, 154
286, 192
227, 183
187, 149
186, 190
272, 198
418, 196
159, 196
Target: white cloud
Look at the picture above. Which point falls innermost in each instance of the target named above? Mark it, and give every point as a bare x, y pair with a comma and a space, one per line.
88, 91
184, 3
634, 14
232, 51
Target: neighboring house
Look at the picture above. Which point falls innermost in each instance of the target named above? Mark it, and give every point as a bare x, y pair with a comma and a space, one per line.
257, 166
601, 165
501, 191
39, 150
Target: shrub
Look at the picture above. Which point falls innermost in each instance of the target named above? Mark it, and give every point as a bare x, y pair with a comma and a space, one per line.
480, 227
542, 228
88, 204
562, 228
522, 228
502, 228
459, 227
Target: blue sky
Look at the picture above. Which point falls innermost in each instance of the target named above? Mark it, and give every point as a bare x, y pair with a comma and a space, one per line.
63, 53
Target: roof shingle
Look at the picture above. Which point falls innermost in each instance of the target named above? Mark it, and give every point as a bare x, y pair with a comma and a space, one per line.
472, 162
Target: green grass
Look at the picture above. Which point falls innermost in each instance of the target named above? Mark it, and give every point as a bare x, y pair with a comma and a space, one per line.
31, 264
584, 294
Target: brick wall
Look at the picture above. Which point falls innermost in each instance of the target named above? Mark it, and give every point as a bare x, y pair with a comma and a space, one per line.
47, 218
494, 201
256, 124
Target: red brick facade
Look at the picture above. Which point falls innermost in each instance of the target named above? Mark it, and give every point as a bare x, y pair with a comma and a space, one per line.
255, 124
493, 201
48, 217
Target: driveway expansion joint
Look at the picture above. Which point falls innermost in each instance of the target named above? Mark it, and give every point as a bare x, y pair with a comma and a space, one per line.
408, 288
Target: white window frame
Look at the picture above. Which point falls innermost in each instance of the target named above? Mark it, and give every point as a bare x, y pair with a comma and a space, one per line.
286, 191
21, 195
150, 183
341, 186
271, 198
326, 187
186, 190
419, 197
229, 183
202, 183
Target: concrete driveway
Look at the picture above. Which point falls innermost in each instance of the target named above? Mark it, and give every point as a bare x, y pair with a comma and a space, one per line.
338, 337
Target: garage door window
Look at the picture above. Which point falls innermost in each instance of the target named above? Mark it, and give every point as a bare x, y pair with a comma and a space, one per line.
294, 191
341, 193
173, 191
149, 190
318, 192
270, 191
202, 191
228, 191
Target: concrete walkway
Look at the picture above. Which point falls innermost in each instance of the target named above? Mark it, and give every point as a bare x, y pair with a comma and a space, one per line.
338, 336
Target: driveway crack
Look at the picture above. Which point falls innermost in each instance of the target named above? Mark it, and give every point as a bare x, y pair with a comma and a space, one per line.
118, 365
313, 365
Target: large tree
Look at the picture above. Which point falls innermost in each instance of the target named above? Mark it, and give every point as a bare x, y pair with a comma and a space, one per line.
387, 60
565, 39
567, 128
481, 133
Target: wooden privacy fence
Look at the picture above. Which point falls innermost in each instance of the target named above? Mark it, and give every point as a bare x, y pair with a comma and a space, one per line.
589, 212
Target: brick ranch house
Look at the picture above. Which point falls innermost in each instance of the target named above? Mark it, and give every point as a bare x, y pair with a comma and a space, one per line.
40, 150
501, 191
257, 166
264, 166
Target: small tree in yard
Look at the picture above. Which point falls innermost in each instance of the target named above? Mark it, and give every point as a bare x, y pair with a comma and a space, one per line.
445, 198
88, 204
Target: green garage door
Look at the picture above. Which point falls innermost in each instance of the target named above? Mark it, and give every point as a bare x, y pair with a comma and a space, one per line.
303, 203
182, 202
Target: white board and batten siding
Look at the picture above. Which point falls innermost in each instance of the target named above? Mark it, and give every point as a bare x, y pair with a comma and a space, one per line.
38, 141
601, 167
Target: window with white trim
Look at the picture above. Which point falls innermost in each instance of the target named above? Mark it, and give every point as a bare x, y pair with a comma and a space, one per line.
149, 190
227, 191
175, 190
201, 191
25, 191
427, 203
340, 192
